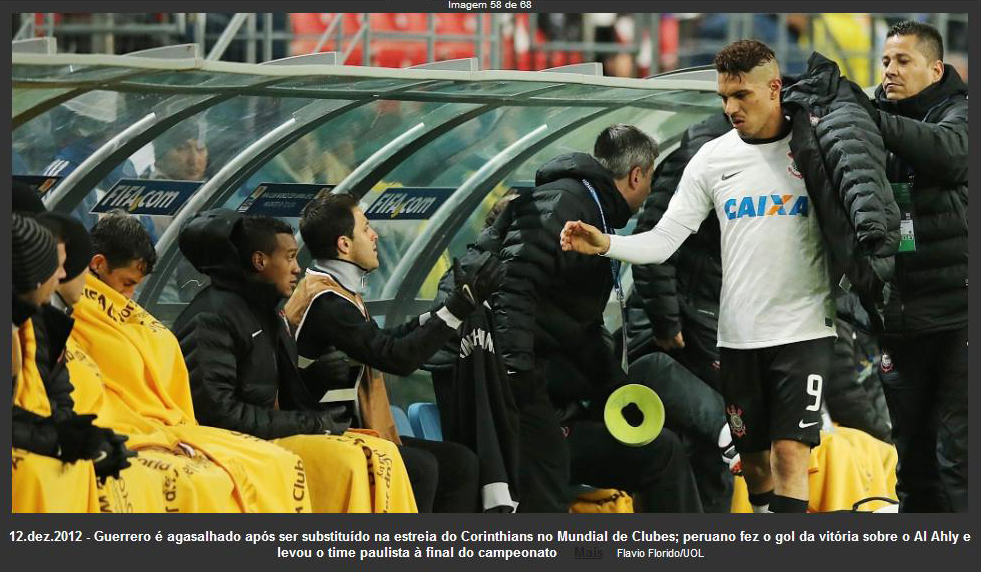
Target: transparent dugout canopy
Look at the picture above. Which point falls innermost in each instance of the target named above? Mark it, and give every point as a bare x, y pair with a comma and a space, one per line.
82, 123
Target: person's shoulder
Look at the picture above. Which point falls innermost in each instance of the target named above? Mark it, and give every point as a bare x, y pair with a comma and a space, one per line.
956, 105
705, 159
212, 306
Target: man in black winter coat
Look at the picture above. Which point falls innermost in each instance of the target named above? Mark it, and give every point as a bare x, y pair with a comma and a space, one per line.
549, 312
240, 357
658, 475
922, 115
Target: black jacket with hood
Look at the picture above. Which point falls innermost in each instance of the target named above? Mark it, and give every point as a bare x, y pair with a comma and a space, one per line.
240, 355
551, 300
927, 139
839, 151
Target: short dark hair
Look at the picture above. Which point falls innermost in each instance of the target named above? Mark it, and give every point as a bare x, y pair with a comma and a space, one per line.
742, 56
325, 220
123, 240
498, 209
928, 39
620, 148
257, 233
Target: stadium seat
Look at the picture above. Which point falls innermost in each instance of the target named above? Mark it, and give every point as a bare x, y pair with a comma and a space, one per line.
402, 424
424, 418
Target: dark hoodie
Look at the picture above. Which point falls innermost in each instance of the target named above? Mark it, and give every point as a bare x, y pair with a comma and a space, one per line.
550, 300
927, 139
240, 356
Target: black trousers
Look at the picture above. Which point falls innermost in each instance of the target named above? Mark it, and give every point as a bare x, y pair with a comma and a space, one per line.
926, 391
543, 469
701, 354
443, 475
657, 475
696, 413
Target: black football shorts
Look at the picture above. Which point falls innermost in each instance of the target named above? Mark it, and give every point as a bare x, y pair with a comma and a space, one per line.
776, 392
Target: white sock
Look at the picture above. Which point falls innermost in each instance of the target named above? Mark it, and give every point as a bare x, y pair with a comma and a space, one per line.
725, 437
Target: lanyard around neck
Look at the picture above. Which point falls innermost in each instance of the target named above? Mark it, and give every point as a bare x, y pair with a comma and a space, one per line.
615, 271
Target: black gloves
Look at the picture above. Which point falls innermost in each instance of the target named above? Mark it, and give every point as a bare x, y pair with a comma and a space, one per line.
482, 279
335, 367
113, 455
79, 439
335, 420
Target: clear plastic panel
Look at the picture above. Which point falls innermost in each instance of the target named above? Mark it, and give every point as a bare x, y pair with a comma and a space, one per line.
325, 156
595, 93
482, 88
69, 74
56, 142
194, 78
448, 161
328, 84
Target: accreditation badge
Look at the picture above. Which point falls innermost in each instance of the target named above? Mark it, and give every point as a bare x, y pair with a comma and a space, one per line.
907, 233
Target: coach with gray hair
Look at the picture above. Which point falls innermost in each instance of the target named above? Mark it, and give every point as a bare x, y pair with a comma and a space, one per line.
550, 306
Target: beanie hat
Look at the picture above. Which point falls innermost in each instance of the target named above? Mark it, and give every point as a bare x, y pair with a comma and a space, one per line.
78, 244
34, 254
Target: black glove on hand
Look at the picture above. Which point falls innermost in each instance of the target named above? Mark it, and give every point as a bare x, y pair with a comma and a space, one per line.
113, 455
78, 438
333, 421
335, 367
474, 286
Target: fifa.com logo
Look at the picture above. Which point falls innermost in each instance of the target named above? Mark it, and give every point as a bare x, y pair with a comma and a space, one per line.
766, 205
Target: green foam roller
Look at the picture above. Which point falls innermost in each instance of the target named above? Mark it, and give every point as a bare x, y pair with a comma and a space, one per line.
650, 406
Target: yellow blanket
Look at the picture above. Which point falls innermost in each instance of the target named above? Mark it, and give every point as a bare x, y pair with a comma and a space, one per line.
141, 364
44, 484
849, 465
186, 481
336, 474
353, 472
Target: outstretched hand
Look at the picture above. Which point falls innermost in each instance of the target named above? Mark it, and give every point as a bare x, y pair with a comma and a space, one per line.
584, 238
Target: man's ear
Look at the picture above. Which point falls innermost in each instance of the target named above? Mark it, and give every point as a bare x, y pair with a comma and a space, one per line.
99, 263
636, 174
258, 261
938, 71
343, 245
775, 85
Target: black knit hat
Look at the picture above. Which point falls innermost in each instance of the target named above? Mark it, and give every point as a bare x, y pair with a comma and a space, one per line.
34, 254
78, 244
